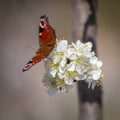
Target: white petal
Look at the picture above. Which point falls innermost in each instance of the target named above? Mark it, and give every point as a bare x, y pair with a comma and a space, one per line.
71, 54
71, 66
63, 62
53, 71
89, 84
96, 74
79, 44
93, 53
56, 59
89, 80
61, 75
99, 64
61, 69
93, 60
68, 80
93, 84
78, 69
62, 45
78, 77
89, 44
74, 45
52, 91
87, 53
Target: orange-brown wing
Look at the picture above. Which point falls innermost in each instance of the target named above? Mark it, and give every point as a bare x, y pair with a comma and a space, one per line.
46, 33
33, 61
42, 53
47, 40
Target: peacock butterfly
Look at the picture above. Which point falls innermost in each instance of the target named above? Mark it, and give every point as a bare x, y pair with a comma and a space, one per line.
47, 40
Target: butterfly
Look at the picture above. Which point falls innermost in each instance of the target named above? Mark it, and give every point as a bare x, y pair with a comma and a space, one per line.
47, 40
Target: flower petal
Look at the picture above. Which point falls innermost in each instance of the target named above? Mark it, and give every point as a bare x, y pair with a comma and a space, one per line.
93, 60
52, 91
99, 64
71, 54
71, 66
96, 74
93, 84
89, 45
53, 71
61, 75
68, 80
63, 61
62, 45
78, 69
56, 59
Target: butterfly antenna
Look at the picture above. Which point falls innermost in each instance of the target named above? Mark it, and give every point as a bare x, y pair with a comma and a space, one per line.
31, 47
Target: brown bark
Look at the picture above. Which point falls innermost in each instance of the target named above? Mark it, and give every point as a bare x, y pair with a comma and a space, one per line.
84, 27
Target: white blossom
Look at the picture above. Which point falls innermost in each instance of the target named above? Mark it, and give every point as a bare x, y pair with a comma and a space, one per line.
68, 63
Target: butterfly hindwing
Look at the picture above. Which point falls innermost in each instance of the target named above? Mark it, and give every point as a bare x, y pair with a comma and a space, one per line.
36, 59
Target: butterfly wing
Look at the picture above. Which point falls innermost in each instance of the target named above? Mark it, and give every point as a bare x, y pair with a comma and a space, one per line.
46, 33
33, 61
47, 39
42, 53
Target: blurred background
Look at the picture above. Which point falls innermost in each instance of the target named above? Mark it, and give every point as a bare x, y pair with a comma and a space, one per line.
23, 95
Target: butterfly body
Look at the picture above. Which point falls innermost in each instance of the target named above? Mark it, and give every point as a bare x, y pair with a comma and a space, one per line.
47, 40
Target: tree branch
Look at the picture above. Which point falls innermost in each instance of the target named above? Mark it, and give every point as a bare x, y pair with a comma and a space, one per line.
84, 27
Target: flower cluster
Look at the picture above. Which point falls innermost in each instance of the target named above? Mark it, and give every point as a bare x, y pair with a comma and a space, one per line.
69, 63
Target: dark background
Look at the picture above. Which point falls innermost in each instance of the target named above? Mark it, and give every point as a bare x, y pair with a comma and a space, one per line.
22, 95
